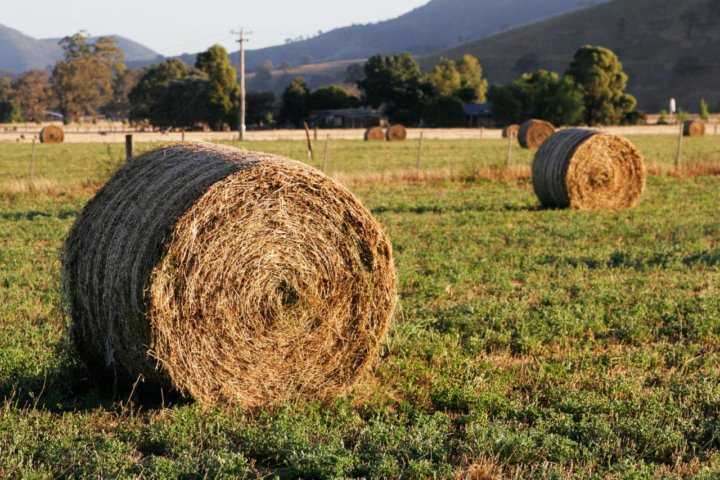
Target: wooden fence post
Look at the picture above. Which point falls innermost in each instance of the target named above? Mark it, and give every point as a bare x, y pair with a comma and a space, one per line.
420, 152
128, 147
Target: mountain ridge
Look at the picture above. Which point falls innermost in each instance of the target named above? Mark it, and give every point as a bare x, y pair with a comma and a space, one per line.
20, 52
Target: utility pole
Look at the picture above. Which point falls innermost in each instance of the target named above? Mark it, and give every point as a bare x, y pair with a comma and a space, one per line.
243, 38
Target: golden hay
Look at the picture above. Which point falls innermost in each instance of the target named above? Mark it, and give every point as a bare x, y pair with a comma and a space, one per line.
588, 170
52, 134
229, 276
534, 132
509, 130
396, 133
694, 128
374, 133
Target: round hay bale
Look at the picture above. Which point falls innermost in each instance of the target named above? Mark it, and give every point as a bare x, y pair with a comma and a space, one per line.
374, 134
511, 130
533, 133
52, 134
694, 128
229, 276
396, 133
588, 170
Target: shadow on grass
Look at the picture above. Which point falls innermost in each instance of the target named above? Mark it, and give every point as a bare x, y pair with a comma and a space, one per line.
33, 214
72, 387
423, 209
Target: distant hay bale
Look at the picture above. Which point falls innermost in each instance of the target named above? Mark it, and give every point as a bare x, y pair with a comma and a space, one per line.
374, 134
533, 133
694, 128
588, 170
396, 133
52, 134
511, 130
229, 276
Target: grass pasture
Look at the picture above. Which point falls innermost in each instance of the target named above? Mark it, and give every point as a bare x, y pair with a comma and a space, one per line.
530, 343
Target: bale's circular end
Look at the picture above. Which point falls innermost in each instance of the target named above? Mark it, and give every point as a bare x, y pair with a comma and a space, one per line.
229, 276
588, 170
374, 134
694, 128
396, 133
52, 134
511, 131
533, 133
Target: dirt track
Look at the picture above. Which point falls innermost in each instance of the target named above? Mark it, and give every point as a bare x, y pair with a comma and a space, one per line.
116, 134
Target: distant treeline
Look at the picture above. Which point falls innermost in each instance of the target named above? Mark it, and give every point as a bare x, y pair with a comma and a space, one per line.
92, 79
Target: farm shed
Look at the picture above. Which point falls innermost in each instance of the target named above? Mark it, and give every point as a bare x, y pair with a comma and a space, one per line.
479, 114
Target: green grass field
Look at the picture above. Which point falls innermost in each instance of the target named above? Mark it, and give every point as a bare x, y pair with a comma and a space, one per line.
529, 343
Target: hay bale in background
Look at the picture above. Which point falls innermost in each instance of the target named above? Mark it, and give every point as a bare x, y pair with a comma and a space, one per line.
229, 276
374, 133
534, 132
52, 134
588, 170
396, 133
509, 130
694, 128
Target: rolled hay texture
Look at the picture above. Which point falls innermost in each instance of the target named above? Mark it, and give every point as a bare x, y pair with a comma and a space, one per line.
694, 128
52, 134
229, 276
396, 133
511, 130
533, 133
588, 170
374, 133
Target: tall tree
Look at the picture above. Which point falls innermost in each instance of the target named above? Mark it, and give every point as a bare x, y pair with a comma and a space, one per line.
144, 97
396, 83
557, 99
600, 75
295, 101
462, 79
32, 94
8, 109
223, 95
331, 97
83, 80
260, 108
119, 106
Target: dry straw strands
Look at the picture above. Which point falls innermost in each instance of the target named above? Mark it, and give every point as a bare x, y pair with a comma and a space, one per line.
52, 134
396, 133
588, 170
229, 276
511, 130
534, 132
694, 128
374, 133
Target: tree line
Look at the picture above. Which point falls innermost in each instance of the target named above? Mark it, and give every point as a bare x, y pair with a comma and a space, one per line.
92, 79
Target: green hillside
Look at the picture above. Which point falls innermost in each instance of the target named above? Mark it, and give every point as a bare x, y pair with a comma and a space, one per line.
669, 48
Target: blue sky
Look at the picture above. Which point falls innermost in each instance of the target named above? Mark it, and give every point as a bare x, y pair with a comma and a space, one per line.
175, 26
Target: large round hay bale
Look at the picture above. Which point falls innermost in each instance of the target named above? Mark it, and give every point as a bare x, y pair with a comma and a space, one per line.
694, 128
511, 130
229, 276
396, 133
534, 132
52, 134
374, 134
588, 170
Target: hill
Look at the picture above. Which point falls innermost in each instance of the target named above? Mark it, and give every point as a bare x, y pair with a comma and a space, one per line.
19, 52
668, 48
438, 24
